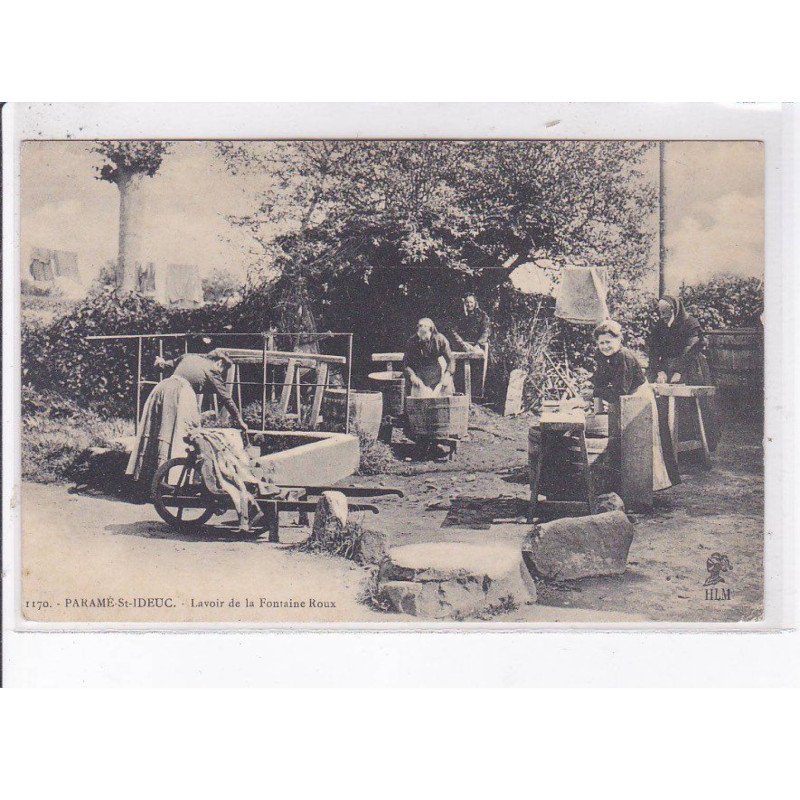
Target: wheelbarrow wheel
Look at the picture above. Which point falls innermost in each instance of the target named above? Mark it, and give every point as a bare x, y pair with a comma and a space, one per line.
167, 487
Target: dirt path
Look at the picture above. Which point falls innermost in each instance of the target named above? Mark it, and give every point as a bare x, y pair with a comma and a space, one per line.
81, 548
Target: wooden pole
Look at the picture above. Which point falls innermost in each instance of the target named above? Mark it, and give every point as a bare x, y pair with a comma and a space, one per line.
662, 250
138, 383
264, 384
349, 378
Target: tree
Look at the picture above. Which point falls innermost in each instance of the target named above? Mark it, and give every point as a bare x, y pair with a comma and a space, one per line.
334, 211
220, 285
126, 163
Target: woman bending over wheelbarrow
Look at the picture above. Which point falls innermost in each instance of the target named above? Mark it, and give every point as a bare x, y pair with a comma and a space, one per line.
171, 412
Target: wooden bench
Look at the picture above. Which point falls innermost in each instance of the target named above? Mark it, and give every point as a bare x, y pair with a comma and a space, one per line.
390, 359
672, 391
296, 362
552, 424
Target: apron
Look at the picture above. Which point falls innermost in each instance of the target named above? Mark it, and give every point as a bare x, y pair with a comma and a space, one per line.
431, 376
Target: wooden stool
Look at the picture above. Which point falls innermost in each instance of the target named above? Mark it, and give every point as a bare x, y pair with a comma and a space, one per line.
672, 391
552, 424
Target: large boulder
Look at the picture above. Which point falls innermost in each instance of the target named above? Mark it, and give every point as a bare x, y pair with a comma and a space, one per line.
454, 580
579, 547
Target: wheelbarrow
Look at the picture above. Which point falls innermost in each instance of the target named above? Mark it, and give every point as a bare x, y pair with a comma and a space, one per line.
184, 501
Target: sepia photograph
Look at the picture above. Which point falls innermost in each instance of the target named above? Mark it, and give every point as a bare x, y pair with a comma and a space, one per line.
388, 382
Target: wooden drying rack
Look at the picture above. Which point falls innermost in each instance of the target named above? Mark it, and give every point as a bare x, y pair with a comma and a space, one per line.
267, 356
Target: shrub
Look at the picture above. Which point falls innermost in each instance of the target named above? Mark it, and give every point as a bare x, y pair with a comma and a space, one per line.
726, 301
35, 289
97, 374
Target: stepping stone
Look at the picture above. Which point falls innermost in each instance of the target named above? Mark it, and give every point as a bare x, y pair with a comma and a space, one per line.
579, 547
453, 580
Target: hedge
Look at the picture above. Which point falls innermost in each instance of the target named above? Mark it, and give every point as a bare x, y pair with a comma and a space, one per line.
101, 375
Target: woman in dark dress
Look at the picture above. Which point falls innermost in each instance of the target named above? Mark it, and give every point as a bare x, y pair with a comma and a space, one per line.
676, 350
618, 373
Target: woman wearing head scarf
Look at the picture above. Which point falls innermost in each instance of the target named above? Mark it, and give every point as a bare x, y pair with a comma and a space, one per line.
428, 362
171, 411
676, 350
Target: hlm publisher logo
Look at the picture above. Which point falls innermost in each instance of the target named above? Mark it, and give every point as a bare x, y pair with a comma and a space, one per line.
717, 565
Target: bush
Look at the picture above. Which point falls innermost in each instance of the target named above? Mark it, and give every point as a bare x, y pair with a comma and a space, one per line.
726, 301
527, 335
34, 289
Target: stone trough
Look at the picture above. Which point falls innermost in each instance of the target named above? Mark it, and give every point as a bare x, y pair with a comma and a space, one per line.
297, 458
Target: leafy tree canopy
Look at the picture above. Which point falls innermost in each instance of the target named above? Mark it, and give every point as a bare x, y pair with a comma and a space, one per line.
332, 207
124, 159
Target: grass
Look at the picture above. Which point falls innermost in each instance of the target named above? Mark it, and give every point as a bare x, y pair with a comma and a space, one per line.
337, 541
376, 457
55, 433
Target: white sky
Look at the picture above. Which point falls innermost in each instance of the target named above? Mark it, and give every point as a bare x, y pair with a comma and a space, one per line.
714, 208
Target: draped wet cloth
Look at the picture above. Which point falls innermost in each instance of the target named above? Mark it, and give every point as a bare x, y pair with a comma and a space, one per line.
621, 374
225, 468
169, 415
678, 346
581, 296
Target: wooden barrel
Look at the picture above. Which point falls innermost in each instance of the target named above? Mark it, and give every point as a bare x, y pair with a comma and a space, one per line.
392, 385
366, 411
736, 357
439, 417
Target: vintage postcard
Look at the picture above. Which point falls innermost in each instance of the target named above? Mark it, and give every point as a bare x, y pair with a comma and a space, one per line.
388, 382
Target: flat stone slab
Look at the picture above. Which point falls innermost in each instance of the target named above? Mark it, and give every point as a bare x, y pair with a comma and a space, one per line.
454, 580
579, 547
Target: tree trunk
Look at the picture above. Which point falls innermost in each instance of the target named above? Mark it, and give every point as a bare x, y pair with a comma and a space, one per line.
130, 246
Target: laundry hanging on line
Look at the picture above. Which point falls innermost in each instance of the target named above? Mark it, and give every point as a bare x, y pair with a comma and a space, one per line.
581, 296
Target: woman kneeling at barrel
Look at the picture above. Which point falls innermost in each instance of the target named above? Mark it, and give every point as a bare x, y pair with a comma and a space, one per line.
618, 373
171, 412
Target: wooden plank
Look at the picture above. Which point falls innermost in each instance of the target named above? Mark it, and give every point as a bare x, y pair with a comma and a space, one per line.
250, 356
319, 391
682, 390
534, 473
468, 384
287, 385
591, 498
485, 368
636, 451
459, 355
672, 424
516, 386
570, 420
